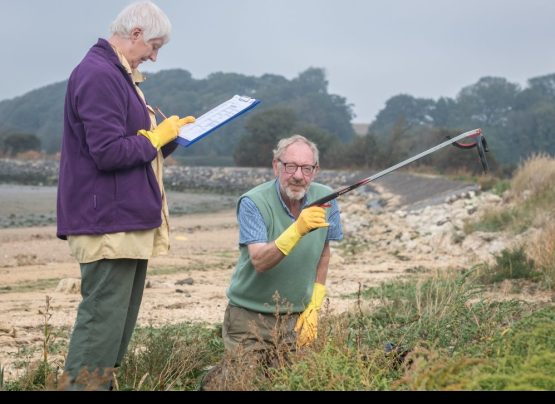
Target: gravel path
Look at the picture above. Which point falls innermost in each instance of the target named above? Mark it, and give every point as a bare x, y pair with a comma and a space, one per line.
418, 190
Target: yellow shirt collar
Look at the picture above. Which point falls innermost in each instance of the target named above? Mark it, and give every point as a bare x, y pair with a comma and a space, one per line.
135, 74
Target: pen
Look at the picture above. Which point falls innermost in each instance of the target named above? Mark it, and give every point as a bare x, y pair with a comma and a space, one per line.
160, 112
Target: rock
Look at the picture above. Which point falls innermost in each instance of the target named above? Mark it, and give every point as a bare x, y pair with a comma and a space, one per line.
471, 210
69, 286
486, 236
188, 281
184, 292
7, 329
442, 221
492, 199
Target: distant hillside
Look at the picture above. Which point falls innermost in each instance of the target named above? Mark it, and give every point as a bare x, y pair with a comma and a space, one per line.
516, 121
38, 112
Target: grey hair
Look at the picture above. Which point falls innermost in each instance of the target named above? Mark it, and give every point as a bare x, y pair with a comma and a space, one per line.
285, 143
146, 16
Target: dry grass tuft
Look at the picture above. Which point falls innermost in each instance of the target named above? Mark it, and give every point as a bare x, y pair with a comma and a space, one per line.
542, 250
534, 176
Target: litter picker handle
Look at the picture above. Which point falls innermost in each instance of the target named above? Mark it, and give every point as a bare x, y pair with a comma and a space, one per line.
324, 200
342, 191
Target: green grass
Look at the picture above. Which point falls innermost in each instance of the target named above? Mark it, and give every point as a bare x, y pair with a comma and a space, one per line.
445, 327
436, 310
167, 270
447, 336
351, 248
38, 377
171, 270
510, 264
169, 358
492, 183
31, 286
516, 219
333, 367
519, 357
500, 187
42, 374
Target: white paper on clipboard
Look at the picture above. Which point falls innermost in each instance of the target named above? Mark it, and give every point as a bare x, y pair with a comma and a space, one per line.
215, 118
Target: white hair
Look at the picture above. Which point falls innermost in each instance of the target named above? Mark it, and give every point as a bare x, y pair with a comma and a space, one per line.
146, 16
285, 143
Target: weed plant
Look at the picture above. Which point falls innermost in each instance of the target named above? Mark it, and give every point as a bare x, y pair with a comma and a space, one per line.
169, 358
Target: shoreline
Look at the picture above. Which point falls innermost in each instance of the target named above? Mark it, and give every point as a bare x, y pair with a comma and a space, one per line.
35, 206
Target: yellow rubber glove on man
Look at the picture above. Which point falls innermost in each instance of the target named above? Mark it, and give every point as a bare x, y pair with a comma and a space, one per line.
307, 324
167, 131
309, 219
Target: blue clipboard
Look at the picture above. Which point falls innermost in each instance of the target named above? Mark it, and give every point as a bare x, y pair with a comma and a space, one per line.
215, 118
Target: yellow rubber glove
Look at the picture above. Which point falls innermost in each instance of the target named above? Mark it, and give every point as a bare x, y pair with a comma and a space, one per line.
310, 219
167, 131
307, 324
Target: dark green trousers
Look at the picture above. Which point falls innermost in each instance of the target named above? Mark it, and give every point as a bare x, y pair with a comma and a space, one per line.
112, 291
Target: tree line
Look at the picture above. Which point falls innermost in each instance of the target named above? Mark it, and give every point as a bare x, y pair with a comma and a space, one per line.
517, 122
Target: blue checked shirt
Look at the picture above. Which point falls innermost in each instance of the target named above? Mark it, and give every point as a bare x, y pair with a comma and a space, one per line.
252, 229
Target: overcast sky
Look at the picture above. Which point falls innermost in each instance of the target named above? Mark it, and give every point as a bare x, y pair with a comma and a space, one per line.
371, 50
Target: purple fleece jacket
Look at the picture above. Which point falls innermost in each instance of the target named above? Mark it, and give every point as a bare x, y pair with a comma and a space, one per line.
106, 181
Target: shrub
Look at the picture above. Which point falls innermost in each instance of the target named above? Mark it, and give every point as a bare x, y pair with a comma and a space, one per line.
510, 264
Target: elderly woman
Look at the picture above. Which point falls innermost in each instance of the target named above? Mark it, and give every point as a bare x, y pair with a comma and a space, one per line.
111, 205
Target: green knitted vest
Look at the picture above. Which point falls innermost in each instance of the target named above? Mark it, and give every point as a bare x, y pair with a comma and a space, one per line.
286, 288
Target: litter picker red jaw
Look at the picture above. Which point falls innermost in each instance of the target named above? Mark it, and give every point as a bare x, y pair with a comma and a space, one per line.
480, 143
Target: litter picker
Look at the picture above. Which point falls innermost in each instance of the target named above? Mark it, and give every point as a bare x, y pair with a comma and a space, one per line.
479, 143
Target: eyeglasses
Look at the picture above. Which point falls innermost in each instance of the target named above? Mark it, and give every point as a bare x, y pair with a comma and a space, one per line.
291, 168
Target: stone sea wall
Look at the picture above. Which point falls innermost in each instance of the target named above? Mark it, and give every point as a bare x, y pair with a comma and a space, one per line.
177, 178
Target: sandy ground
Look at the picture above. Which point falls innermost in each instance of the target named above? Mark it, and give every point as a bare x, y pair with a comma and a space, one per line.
189, 284
34, 262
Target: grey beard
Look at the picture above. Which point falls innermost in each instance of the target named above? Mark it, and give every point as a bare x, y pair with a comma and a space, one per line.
295, 196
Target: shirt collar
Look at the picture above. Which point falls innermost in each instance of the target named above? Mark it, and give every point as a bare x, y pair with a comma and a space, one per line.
135, 74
